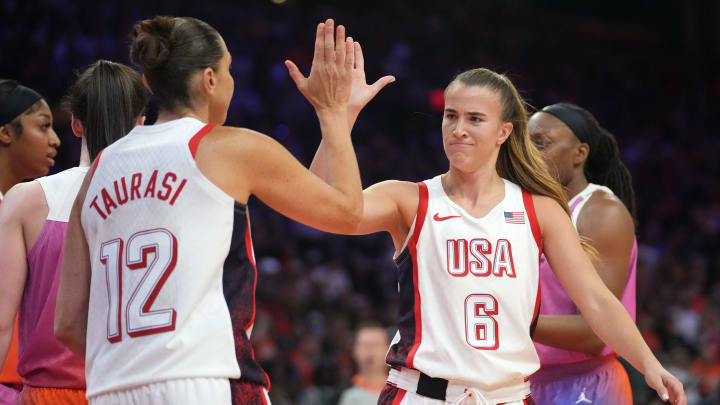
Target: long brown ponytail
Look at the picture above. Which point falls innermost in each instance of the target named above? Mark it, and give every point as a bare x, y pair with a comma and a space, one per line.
518, 160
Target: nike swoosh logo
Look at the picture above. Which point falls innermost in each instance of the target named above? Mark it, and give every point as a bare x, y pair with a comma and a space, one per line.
439, 218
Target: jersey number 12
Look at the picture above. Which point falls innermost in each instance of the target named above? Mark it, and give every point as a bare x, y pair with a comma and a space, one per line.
139, 318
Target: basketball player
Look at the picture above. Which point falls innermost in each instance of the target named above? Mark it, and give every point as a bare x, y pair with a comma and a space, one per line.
162, 252
584, 158
468, 243
27, 148
106, 101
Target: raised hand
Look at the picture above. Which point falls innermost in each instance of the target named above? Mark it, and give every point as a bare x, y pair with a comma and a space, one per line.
329, 83
361, 92
667, 386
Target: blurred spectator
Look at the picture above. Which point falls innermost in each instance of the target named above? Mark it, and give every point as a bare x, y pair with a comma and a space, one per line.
371, 346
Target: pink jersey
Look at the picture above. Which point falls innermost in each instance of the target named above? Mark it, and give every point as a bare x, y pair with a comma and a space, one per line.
43, 360
555, 301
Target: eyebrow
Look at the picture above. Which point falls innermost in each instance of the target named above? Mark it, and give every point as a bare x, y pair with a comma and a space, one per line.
45, 115
473, 113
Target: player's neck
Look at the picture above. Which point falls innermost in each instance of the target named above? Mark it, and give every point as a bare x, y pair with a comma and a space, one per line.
575, 186
8, 175
471, 187
167, 116
84, 154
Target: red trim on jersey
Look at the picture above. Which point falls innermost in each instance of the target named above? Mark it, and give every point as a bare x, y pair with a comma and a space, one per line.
534, 225
195, 140
95, 164
412, 247
537, 234
399, 397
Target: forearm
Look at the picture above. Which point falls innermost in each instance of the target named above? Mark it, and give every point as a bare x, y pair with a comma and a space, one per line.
611, 322
335, 161
318, 165
569, 332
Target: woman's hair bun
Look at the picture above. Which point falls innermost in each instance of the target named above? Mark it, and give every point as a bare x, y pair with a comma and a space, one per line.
152, 41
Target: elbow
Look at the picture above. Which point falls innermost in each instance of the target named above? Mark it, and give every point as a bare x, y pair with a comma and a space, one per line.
351, 215
63, 332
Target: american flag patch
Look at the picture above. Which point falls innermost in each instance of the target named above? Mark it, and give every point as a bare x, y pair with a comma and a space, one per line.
515, 217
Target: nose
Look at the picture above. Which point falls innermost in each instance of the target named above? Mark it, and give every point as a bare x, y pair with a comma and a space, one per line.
53, 140
459, 128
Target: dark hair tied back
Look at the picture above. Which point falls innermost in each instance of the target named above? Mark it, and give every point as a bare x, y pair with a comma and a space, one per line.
169, 50
152, 41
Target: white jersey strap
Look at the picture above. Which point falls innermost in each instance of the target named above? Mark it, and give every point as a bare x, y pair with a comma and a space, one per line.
60, 192
578, 202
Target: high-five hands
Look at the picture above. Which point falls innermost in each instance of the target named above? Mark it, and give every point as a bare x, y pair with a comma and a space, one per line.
330, 80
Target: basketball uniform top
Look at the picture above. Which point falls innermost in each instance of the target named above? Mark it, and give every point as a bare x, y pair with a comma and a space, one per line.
555, 301
173, 273
43, 360
469, 292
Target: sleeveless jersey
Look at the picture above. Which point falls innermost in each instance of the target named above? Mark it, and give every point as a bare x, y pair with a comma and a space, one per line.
173, 272
555, 301
43, 360
469, 292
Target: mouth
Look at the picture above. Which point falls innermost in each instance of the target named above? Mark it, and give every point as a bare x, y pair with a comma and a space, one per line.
51, 158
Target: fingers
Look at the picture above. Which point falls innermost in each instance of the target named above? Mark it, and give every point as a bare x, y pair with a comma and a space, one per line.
359, 60
340, 46
349, 54
329, 44
294, 72
382, 82
675, 391
319, 43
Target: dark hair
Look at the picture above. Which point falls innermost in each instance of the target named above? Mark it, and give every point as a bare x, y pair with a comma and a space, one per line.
7, 86
107, 98
169, 50
603, 165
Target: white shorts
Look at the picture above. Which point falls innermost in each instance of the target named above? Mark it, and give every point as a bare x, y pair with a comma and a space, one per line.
190, 391
411, 398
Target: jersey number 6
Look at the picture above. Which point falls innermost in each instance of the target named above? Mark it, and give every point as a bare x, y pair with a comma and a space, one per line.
481, 329
139, 318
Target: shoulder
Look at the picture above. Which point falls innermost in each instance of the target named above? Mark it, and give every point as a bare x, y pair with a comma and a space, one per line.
237, 143
23, 199
604, 213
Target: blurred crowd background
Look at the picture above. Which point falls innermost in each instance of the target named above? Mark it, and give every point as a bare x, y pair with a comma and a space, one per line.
648, 70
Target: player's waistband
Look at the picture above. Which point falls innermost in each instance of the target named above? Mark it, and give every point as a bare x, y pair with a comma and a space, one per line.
553, 372
455, 392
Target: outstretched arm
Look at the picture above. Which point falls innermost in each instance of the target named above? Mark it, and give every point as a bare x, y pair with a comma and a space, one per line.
597, 304
610, 230
71, 308
13, 264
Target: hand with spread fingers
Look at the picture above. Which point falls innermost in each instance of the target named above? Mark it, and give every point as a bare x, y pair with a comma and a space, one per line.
329, 83
362, 92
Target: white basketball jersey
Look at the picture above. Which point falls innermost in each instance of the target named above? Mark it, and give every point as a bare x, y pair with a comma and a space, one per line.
160, 235
469, 292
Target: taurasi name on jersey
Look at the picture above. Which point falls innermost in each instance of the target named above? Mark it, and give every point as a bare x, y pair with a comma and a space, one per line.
168, 190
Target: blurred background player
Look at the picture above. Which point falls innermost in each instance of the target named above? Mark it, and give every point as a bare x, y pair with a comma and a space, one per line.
464, 334
28, 145
369, 350
106, 101
177, 190
584, 158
